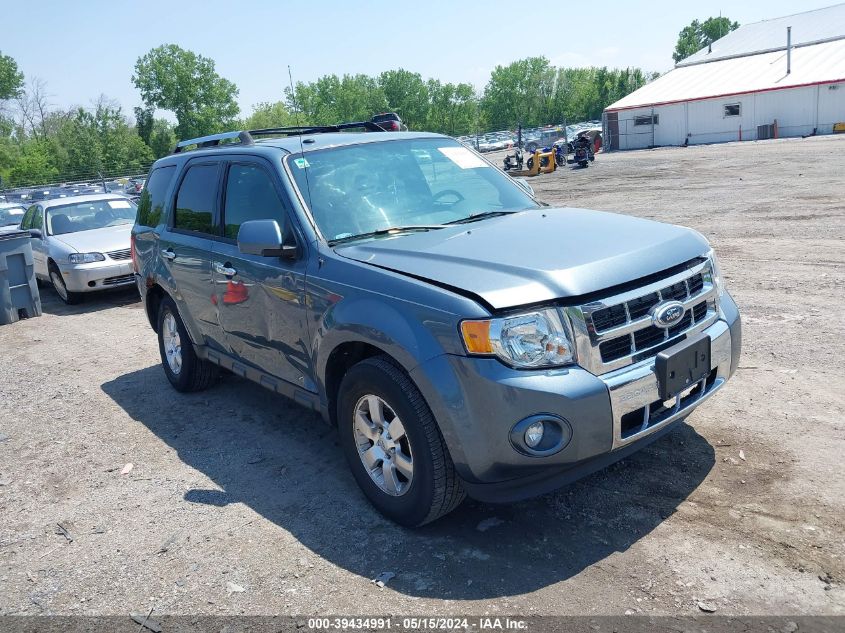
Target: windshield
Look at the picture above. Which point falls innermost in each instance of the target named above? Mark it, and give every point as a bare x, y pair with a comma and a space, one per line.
11, 216
87, 216
358, 189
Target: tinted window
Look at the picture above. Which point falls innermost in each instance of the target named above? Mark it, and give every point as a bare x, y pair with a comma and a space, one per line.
250, 195
35, 222
195, 200
732, 109
151, 205
26, 223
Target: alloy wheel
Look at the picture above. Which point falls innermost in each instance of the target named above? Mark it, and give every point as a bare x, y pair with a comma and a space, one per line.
383, 445
172, 343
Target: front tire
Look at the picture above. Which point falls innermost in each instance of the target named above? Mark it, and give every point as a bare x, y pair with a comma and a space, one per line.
58, 282
393, 445
184, 369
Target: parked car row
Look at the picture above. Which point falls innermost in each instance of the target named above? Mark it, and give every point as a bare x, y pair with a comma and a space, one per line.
532, 138
131, 187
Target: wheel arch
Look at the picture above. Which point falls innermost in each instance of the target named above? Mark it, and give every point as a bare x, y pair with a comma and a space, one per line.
340, 360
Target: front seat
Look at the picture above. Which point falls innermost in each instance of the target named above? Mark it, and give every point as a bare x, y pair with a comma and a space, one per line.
61, 224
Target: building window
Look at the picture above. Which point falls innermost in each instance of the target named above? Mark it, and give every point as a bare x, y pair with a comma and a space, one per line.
647, 120
733, 109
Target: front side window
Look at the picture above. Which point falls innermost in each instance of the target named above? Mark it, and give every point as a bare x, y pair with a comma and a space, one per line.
194, 210
26, 222
357, 189
151, 205
87, 216
250, 195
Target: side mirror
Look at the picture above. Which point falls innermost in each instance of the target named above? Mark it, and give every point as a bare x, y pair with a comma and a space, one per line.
525, 186
264, 238
36, 233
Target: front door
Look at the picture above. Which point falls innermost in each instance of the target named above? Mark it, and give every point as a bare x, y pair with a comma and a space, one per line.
260, 300
34, 219
185, 249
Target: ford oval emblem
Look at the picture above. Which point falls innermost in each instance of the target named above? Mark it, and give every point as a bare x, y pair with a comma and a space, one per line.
667, 313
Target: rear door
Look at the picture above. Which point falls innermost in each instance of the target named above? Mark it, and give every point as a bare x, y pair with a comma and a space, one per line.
185, 247
260, 299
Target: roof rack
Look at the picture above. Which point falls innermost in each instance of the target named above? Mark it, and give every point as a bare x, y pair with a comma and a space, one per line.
213, 140
296, 130
246, 137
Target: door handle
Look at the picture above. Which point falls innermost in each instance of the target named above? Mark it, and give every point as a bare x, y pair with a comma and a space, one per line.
168, 254
225, 269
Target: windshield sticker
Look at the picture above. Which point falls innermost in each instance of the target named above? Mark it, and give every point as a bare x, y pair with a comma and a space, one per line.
462, 157
301, 163
119, 204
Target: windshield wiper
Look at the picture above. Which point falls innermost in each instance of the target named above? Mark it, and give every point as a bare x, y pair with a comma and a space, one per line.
474, 217
388, 231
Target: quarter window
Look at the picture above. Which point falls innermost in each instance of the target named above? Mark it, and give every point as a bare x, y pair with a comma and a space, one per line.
733, 109
194, 210
250, 195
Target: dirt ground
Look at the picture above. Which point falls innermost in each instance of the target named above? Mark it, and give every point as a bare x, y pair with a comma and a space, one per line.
239, 502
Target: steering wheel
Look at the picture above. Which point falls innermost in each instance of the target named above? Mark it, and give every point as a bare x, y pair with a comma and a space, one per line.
448, 192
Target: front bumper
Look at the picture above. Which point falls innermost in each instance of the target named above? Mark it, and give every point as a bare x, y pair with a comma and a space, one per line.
97, 275
477, 401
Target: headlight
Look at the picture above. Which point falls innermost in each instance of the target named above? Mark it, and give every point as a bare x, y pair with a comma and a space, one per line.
717, 272
533, 340
85, 258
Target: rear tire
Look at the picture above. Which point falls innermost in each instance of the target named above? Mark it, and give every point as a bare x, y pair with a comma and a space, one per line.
183, 368
409, 476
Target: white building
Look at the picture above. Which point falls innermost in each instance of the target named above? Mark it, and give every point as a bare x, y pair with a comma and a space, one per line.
756, 82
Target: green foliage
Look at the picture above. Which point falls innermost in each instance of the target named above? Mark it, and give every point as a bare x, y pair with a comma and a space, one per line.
11, 79
697, 35
43, 145
33, 164
162, 138
267, 115
185, 83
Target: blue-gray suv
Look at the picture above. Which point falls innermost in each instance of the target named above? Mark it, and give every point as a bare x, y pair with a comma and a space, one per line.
464, 337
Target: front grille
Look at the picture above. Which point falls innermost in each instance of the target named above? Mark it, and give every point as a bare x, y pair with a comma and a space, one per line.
618, 331
122, 279
120, 255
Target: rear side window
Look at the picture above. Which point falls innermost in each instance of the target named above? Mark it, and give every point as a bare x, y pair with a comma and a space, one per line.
195, 200
250, 195
151, 205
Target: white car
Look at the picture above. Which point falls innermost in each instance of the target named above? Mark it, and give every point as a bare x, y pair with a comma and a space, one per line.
81, 243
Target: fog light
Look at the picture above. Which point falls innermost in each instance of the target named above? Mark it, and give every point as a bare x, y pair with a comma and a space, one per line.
534, 434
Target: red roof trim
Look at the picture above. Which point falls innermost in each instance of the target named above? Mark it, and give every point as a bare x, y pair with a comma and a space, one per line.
727, 94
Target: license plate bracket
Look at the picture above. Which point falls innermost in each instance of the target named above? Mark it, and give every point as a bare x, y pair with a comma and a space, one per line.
682, 365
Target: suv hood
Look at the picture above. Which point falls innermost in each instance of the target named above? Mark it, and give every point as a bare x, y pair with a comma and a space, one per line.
535, 256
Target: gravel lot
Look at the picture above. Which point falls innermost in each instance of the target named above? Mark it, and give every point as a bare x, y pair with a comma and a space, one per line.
240, 502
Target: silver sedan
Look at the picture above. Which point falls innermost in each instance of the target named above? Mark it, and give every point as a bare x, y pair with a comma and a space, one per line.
82, 243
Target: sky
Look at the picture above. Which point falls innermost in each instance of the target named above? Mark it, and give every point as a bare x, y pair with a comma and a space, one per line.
86, 48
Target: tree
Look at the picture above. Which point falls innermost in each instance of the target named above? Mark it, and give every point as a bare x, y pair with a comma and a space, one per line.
697, 35
162, 138
265, 115
11, 79
519, 93
187, 84
406, 94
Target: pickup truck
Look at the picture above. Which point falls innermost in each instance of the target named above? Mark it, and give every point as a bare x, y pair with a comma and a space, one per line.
463, 337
